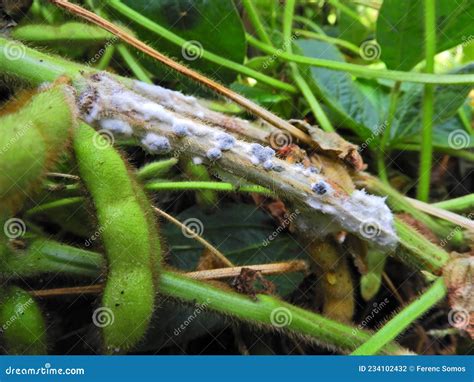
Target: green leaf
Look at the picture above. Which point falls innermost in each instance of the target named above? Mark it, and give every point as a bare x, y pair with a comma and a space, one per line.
349, 104
350, 29
400, 29
240, 232
213, 25
448, 99
259, 95
452, 135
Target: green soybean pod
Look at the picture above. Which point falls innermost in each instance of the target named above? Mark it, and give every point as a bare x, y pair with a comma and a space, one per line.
23, 327
31, 140
129, 236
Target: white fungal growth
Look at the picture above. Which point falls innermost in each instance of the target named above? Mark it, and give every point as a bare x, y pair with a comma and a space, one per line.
163, 94
214, 154
151, 110
321, 187
156, 116
268, 165
116, 126
225, 141
156, 144
261, 154
182, 128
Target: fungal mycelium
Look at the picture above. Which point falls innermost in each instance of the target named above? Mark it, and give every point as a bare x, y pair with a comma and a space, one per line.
167, 120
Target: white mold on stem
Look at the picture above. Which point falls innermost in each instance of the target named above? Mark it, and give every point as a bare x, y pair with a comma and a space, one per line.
161, 119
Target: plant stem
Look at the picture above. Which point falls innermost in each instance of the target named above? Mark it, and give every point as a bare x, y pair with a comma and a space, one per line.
300, 81
311, 24
366, 72
426, 155
156, 169
395, 92
196, 185
459, 204
348, 11
46, 256
424, 255
264, 311
191, 234
177, 40
402, 320
54, 204
133, 64
80, 33
35, 66
464, 154
398, 202
256, 21
106, 57
261, 310
332, 40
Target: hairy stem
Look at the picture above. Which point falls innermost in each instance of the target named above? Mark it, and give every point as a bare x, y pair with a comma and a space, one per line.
403, 319
426, 155
365, 72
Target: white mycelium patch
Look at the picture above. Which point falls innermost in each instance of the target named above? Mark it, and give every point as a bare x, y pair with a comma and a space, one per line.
197, 160
162, 127
225, 141
116, 126
214, 154
156, 144
182, 128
